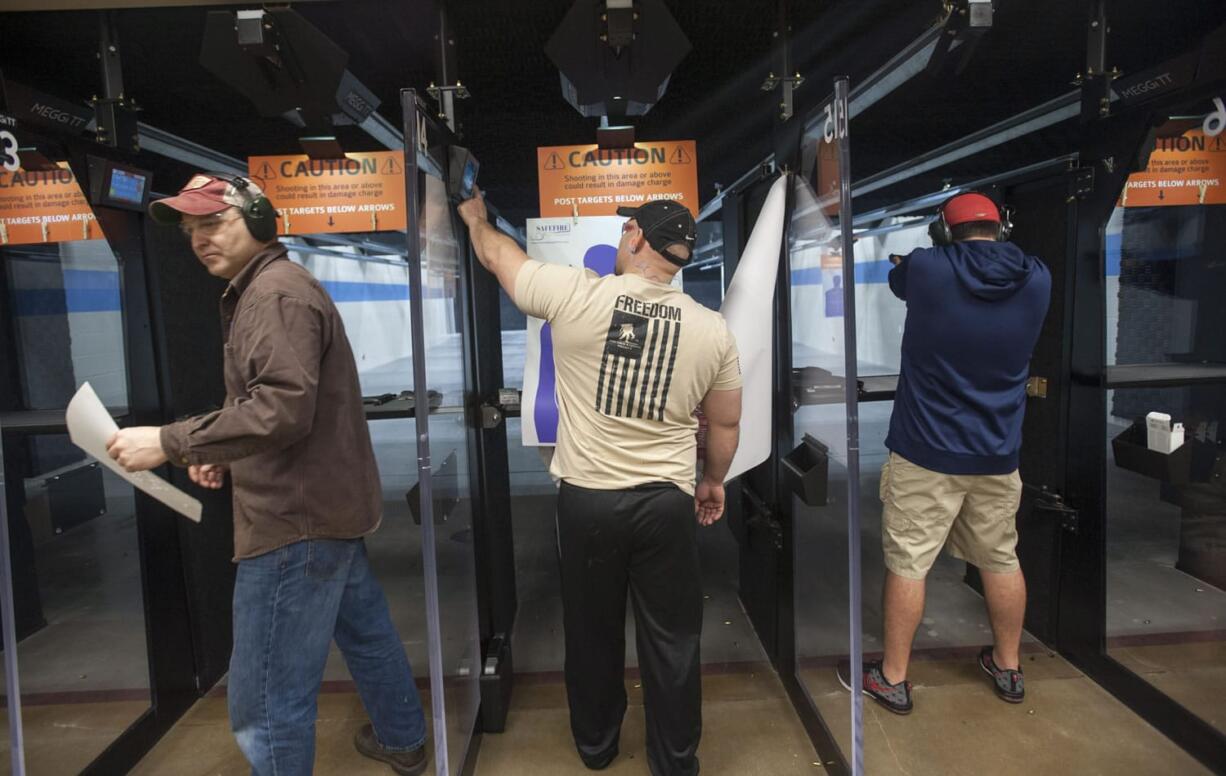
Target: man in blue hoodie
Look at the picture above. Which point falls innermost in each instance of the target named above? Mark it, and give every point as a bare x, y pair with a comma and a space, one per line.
975, 305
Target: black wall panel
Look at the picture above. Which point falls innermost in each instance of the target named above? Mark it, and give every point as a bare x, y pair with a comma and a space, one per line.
184, 309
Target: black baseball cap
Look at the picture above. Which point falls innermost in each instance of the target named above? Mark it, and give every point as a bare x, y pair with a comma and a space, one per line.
665, 224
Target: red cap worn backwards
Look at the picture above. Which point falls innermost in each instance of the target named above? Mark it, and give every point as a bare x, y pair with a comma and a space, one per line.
969, 207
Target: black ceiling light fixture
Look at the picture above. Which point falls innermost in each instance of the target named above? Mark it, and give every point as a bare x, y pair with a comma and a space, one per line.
616, 57
286, 66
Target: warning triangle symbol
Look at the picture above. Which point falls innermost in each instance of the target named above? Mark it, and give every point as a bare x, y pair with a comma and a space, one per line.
554, 162
267, 171
391, 166
680, 156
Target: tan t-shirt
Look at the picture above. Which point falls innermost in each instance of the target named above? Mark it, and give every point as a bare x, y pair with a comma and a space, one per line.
633, 359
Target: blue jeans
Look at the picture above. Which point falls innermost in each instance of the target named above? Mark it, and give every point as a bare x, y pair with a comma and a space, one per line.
288, 606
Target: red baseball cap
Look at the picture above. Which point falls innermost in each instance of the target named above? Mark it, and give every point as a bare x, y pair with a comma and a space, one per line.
972, 206
203, 195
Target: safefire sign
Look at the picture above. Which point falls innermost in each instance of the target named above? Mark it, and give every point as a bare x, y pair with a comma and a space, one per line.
593, 181
363, 192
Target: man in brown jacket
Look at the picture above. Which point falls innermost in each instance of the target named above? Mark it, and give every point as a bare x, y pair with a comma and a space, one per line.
293, 436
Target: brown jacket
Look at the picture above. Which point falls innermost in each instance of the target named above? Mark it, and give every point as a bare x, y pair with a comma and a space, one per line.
292, 428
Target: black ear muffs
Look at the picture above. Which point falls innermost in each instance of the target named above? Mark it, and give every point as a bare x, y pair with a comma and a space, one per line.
939, 230
258, 213
1006, 223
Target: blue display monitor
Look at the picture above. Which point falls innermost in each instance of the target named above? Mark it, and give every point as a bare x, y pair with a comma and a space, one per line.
462, 173
112, 184
128, 187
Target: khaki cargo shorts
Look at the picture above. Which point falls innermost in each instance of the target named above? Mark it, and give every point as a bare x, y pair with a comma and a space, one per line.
976, 513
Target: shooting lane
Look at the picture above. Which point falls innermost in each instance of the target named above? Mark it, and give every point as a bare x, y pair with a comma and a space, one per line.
1119, 567
123, 609
118, 611
1120, 591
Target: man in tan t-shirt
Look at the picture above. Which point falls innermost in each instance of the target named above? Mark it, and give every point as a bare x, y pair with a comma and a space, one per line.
634, 358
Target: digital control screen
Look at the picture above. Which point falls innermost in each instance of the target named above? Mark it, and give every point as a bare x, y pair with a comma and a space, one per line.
127, 187
470, 178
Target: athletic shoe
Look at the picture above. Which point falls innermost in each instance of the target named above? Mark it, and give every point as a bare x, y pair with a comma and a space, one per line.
1008, 682
411, 763
895, 697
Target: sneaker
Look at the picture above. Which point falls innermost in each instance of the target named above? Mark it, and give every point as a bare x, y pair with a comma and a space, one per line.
1008, 682
895, 697
410, 763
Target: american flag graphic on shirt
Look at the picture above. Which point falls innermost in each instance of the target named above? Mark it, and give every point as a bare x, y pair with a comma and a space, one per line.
640, 352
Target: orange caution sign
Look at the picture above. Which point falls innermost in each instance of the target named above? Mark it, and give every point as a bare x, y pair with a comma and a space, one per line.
363, 192
46, 206
1189, 169
595, 181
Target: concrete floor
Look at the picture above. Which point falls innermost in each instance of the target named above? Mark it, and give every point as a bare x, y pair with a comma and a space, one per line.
90, 584
201, 743
63, 738
749, 729
1067, 725
1194, 673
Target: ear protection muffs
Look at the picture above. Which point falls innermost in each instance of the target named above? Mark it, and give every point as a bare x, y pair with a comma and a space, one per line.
939, 230
1006, 222
258, 213
942, 233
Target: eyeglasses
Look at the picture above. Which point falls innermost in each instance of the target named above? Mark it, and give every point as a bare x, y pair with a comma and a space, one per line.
207, 226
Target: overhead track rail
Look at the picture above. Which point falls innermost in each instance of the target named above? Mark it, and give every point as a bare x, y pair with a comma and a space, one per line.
932, 200
1039, 117
900, 68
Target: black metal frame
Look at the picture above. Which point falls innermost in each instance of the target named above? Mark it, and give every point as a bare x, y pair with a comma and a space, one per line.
760, 511
493, 544
169, 644
1082, 616
170, 647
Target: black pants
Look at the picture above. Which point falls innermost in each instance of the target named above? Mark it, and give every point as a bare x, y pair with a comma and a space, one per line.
641, 539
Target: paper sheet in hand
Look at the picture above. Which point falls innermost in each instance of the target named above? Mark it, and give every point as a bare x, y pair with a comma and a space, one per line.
90, 427
748, 308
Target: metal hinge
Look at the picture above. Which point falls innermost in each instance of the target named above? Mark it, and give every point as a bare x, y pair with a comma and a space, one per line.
1036, 387
493, 655
1081, 185
760, 516
1048, 501
490, 416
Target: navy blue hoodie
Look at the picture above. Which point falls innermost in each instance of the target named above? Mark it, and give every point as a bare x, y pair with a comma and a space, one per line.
974, 310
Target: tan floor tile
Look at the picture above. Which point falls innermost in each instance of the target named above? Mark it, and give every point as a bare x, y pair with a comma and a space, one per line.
201, 743
1193, 674
749, 729
65, 738
1068, 725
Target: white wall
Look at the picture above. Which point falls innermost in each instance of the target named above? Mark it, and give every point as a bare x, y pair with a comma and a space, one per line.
96, 335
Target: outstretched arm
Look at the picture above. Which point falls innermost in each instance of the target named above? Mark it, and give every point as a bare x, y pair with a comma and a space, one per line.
497, 252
